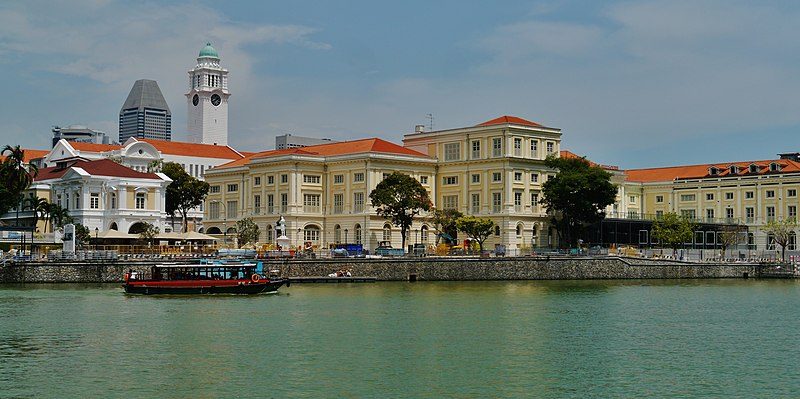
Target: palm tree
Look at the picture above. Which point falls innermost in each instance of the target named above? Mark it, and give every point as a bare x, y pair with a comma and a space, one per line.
58, 216
42, 208
15, 177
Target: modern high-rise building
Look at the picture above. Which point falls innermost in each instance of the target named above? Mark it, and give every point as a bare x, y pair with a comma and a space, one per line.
80, 134
289, 141
145, 114
207, 99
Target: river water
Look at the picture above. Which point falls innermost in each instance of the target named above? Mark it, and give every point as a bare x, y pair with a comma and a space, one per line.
700, 338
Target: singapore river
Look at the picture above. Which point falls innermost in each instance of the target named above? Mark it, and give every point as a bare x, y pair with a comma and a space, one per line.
703, 338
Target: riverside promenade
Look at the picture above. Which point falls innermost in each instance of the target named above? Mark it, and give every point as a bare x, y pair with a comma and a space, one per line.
415, 269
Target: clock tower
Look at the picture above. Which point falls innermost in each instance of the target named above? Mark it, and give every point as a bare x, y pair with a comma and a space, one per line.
208, 99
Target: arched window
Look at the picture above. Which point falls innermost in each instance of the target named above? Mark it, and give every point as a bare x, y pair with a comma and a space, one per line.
140, 200
112, 199
357, 232
270, 234
311, 233
497, 230
231, 230
519, 230
113, 226
533, 238
792, 241
387, 232
214, 230
337, 234
423, 235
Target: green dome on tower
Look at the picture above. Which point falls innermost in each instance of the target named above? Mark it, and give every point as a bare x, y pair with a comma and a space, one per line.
208, 51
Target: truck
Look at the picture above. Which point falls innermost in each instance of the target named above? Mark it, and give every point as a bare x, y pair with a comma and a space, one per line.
385, 249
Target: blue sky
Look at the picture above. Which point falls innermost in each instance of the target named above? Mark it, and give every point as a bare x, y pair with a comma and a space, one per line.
636, 84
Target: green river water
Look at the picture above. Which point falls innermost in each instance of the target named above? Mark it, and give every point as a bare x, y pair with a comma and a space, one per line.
599, 339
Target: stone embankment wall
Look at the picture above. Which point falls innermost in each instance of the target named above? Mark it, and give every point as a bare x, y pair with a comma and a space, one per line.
430, 269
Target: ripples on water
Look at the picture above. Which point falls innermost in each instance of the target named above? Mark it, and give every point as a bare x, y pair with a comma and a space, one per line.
477, 339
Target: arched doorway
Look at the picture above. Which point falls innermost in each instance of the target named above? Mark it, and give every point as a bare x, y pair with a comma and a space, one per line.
214, 230
113, 226
231, 230
387, 232
423, 235
201, 230
337, 234
311, 233
136, 228
357, 233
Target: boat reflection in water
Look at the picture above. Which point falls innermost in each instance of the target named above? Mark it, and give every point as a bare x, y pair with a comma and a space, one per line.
220, 277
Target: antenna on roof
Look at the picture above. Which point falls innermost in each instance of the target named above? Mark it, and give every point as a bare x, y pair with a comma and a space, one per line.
430, 121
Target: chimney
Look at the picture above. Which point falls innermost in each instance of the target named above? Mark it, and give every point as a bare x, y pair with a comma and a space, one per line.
419, 129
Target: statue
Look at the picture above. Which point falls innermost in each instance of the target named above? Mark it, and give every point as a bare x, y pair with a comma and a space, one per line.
280, 227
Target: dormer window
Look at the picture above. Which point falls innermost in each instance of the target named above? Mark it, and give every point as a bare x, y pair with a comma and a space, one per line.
774, 167
753, 168
734, 170
713, 171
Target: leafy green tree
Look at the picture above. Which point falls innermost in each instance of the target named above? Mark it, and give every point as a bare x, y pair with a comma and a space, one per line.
400, 197
15, 177
781, 232
479, 229
444, 220
184, 193
82, 234
247, 231
730, 235
673, 230
576, 196
148, 232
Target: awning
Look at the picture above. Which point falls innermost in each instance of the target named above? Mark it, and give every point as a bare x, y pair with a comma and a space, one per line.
114, 235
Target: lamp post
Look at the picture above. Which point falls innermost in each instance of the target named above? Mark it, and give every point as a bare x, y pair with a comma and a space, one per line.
96, 233
298, 237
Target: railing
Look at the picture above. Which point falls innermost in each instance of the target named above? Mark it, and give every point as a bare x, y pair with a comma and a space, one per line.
693, 219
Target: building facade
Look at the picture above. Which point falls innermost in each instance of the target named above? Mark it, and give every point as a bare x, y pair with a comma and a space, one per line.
79, 133
207, 99
290, 141
145, 113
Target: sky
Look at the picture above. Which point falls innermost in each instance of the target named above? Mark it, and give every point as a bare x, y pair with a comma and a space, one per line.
630, 83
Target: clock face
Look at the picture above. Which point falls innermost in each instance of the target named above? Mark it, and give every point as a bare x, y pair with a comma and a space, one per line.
195, 100
215, 99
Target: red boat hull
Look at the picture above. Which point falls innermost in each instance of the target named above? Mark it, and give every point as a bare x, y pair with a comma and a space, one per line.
193, 287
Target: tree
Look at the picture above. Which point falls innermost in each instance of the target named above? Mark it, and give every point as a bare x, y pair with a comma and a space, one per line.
444, 220
15, 177
82, 234
730, 235
148, 232
400, 197
58, 216
576, 196
247, 231
184, 193
478, 229
781, 232
42, 211
672, 230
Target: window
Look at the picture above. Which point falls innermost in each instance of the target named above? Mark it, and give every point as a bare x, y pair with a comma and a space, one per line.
450, 202
550, 147
78, 201
284, 179
423, 179
753, 168
792, 241
452, 151
550, 177
792, 212
358, 177
750, 214
659, 199
534, 177
497, 177
517, 147
358, 233
534, 148
518, 201
713, 171
94, 201
270, 179
771, 242
338, 179
519, 230
773, 167
387, 232
476, 149
476, 203
632, 199
791, 192
337, 234
734, 170
709, 213
476, 178
709, 197
311, 202
214, 189
749, 194
497, 202
729, 213
284, 202
113, 200
312, 179
270, 233
770, 213
497, 147
770, 193
256, 204
232, 188
423, 235
338, 203
728, 196
140, 200
311, 234
688, 213
233, 209
257, 181
213, 210
534, 200
751, 241
358, 202
659, 215
270, 204
496, 230
517, 176
687, 197
450, 180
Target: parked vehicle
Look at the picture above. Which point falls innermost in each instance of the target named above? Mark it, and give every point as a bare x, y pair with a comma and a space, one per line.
385, 249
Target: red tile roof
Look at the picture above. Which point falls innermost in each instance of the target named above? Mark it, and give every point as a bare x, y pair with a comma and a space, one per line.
333, 149
570, 154
92, 147
505, 119
194, 149
29, 155
671, 173
100, 167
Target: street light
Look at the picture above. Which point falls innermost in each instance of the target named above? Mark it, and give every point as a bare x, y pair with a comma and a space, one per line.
96, 233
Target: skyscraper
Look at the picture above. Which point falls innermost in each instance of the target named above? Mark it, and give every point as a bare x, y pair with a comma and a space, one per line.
207, 99
145, 113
